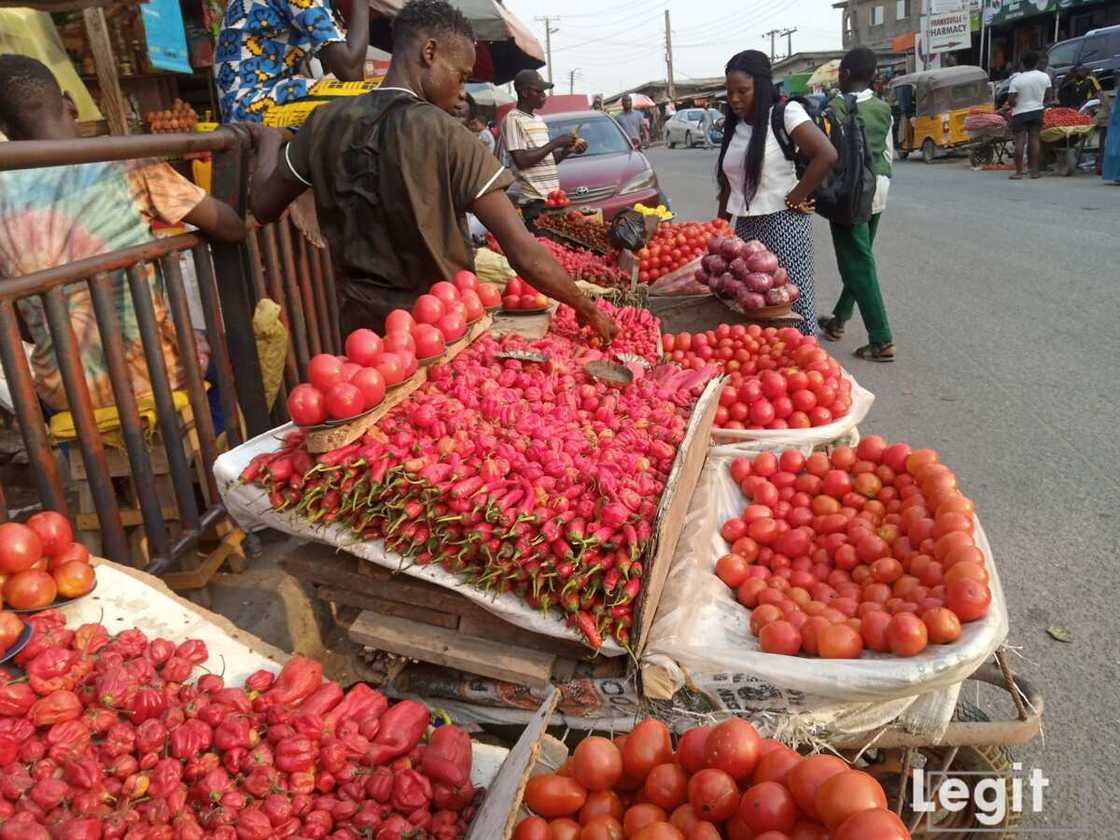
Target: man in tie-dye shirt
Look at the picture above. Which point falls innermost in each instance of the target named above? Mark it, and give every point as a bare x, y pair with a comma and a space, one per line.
264, 47
54, 216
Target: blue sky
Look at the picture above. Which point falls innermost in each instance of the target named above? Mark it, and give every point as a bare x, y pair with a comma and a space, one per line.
614, 44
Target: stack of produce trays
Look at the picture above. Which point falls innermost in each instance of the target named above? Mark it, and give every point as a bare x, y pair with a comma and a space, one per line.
511, 470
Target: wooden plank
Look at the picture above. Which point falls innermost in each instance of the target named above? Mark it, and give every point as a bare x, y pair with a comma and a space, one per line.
324, 440
198, 578
112, 100
488, 626
405, 590
130, 518
453, 650
384, 607
495, 818
673, 508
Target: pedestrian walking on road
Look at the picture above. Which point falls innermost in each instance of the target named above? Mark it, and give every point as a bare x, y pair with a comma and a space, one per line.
854, 243
630, 120
759, 188
1027, 100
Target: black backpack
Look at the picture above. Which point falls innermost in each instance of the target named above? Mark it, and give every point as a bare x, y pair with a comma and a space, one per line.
846, 195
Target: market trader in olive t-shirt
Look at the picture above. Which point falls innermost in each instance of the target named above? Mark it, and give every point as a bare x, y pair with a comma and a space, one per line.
394, 174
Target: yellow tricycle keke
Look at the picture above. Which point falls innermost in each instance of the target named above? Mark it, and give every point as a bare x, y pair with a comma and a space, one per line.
934, 105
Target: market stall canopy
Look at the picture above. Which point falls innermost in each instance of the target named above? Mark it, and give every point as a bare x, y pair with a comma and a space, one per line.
904, 43
639, 101
505, 45
64, 5
488, 95
32, 33
825, 75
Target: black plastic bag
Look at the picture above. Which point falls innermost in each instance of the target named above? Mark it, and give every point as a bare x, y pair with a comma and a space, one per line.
628, 230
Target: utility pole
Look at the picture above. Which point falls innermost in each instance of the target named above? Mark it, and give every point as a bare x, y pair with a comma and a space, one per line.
788, 35
671, 87
549, 31
772, 34
572, 80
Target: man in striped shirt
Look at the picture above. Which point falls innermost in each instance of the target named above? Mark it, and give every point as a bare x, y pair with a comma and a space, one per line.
531, 155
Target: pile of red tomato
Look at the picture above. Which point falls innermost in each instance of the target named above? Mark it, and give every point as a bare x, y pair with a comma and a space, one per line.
557, 198
521, 297
721, 783
777, 378
674, 245
39, 561
871, 547
342, 387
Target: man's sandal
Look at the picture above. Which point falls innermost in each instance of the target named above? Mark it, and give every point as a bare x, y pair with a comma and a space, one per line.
832, 327
876, 352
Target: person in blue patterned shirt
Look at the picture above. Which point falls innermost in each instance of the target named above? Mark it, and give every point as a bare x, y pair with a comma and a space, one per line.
264, 47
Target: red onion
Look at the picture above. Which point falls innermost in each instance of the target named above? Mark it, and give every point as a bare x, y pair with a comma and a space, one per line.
751, 300
714, 264
758, 282
764, 262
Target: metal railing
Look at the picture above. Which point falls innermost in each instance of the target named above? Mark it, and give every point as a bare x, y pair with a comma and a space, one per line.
275, 261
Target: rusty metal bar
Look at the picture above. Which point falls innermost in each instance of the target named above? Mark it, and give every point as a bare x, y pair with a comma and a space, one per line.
332, 296
189, 539
216, 336
28, 412
311, 311
135, 441
167, 417
89, 438
233, 291
36, 154
295, 302
255, 273
315, 279
39, 281
276, 292
188, 351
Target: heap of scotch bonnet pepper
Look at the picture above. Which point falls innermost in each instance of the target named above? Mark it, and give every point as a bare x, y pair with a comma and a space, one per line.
515, 469
129, 737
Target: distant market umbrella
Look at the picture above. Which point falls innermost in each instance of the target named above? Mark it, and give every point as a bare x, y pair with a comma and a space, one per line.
638, 100
504, 45
826, 75
488, 95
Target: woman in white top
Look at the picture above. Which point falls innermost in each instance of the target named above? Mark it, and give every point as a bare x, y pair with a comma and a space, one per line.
759, 187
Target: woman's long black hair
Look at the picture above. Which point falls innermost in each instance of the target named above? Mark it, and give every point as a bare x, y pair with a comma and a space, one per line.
756, 65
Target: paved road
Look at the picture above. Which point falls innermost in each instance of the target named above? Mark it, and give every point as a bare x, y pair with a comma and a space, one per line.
1004, 299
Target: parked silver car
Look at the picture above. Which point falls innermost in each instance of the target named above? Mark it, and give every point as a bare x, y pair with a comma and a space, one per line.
686, 127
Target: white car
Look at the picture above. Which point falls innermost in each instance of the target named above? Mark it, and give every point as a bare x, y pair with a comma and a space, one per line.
685, 127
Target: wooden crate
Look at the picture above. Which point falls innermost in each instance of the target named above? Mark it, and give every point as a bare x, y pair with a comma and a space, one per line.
420, 620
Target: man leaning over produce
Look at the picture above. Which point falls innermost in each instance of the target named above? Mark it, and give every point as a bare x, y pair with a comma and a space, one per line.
394, 174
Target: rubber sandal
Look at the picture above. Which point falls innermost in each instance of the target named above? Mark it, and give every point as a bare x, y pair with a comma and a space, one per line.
1015, 176
876, 352
832, 327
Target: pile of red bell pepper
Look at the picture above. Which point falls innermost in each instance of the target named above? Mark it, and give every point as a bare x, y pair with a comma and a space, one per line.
520, 476
129, 737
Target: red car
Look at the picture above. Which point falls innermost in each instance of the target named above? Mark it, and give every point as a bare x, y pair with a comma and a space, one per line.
611, 175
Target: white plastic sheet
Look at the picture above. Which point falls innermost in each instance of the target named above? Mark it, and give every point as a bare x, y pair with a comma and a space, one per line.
862, 400
249, 505
701, 637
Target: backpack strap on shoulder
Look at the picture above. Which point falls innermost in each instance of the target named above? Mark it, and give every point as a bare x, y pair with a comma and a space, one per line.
778, 126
